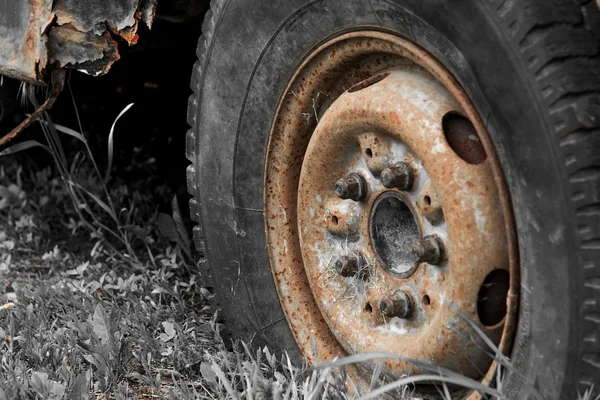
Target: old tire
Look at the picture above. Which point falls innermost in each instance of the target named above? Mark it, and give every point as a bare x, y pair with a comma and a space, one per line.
532, 73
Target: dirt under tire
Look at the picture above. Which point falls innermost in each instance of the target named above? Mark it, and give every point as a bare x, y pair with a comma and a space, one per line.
533, 74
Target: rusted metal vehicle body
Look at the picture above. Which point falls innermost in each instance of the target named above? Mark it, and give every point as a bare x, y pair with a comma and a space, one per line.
41, 34
42, 39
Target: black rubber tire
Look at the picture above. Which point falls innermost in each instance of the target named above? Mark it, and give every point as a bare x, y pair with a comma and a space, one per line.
531, 68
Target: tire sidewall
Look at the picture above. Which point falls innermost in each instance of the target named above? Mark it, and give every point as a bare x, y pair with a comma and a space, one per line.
467, 40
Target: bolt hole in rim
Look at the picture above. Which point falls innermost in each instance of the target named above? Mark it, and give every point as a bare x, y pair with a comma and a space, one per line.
329, 312
426, 300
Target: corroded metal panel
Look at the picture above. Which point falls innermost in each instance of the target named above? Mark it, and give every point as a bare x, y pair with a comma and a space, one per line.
23, 25
77, 34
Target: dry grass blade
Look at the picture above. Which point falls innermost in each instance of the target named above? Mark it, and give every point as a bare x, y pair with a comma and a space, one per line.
98, 201
501, 358
441, 374
465, 382
589, 394
184, 240
498, 356
376, 374
70, 132
53, 141
324, 377
111, 141
23, 146
224, 381
372, 356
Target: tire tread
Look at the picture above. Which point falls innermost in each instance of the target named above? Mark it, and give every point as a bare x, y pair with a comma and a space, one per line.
559, 44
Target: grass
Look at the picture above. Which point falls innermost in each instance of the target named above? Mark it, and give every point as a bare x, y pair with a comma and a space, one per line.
75, 316
102, 298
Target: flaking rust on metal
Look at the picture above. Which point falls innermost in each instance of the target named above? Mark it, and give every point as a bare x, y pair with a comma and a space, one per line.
22, 28
98, 16
85, 51
67, 34
148, 8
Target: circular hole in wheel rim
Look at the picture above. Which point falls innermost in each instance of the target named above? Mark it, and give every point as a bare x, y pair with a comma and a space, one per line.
491, 300
463, 139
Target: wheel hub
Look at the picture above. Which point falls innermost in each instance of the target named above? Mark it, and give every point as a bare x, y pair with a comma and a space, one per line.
398, 121
394, 230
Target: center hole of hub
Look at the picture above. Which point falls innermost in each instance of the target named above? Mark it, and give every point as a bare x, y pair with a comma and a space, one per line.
393, 231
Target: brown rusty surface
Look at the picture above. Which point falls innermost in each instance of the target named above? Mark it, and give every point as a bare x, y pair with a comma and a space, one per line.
98, 16
93, 54
22, 25
296, 119
70, 33
356, 130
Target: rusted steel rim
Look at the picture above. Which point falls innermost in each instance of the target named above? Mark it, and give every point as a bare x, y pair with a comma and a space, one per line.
387, 217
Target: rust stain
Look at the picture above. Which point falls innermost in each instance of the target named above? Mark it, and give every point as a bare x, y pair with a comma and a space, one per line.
22, 27
85, 51
69, 34
97, 15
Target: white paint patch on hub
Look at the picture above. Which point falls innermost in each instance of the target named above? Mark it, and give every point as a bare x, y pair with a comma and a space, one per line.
439, 146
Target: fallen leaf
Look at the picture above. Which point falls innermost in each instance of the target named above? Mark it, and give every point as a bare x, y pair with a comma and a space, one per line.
100, 324
169, 331
208, 374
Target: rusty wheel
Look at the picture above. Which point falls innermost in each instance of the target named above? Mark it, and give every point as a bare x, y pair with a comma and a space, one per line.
395, 227
385, 175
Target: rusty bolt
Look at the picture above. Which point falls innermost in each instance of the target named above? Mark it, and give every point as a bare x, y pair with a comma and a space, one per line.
351, 187
350, 266
429, 249
399, 304
398, 176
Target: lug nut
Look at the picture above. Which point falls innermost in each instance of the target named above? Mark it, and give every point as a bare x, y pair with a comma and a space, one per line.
399, 304
398, 176
350, 266
352, 187
429, 249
